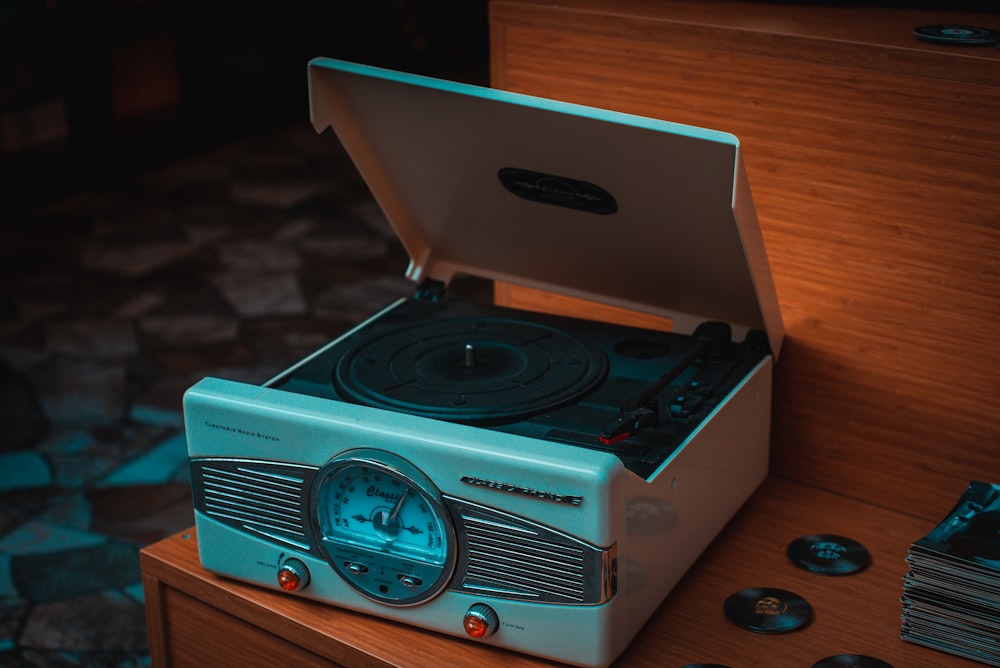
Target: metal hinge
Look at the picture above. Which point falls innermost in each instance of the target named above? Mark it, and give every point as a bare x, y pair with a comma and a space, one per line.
430, 290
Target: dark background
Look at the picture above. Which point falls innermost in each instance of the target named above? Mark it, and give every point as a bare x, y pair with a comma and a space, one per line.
93, 90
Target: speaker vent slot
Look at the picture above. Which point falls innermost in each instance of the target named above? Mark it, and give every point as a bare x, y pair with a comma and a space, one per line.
512, 557
264, 498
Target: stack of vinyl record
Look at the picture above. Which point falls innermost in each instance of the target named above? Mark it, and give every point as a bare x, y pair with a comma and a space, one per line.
951, 595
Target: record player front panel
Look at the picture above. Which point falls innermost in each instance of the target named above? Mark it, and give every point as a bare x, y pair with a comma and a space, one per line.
570, 547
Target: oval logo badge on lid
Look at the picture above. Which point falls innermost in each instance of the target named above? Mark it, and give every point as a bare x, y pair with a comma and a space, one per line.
557, 190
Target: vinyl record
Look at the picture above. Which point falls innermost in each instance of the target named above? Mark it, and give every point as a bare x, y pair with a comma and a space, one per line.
957, 34
828, 554
851, 661
768, 610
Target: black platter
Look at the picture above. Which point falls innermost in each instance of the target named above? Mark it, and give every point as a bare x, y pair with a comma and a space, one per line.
553, 378
481, 370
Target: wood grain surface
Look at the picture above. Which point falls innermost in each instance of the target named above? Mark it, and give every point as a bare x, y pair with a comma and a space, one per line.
874, 160
857, 613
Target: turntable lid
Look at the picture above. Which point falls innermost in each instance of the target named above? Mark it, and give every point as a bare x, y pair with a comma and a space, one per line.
626, 210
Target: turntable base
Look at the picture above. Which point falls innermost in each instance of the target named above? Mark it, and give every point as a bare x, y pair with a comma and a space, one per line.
199, 619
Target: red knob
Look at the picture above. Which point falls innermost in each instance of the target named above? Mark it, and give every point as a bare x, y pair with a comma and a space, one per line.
293, 575
481, 620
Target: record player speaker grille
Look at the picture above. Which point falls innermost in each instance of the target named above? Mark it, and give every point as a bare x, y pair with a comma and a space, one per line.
516, 558
257, 499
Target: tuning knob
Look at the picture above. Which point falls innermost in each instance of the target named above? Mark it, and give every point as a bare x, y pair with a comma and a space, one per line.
293, 575
481, 620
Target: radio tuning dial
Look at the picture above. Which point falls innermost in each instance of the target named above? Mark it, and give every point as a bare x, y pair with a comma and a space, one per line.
384, 527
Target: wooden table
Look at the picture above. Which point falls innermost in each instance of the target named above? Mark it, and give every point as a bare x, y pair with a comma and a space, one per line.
874, 160
200, 619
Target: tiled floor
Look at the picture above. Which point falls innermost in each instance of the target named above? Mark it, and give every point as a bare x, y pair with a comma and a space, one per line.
234, 263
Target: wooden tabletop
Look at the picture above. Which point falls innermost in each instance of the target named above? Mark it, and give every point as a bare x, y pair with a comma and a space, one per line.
857, 613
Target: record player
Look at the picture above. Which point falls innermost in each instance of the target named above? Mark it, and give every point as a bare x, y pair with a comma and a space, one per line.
521, 479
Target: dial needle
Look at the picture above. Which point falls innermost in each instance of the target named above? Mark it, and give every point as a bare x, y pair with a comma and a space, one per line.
391, 520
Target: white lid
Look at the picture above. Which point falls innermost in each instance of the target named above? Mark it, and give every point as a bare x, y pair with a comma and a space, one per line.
620, 209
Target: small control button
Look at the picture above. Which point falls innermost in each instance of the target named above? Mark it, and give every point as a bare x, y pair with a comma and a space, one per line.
481, 620
356, 568
293, 575
409, 580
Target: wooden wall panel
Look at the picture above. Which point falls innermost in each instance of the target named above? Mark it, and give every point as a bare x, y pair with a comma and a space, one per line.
875, 167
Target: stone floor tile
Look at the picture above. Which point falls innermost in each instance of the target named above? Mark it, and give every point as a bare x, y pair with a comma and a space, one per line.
156, 415
28, 312
7, 591
295, 228
139, 305
333, 248
107, 449
69, 510
259, 256
103, 621
115, 504
107, 338
143, 514
275, 195
168, 390
206, 233
183, 477
21, 358
135, 592
12, 614
81, 391
135, 261
267, 157
212, 168
253, 294
156, 466
206, 360
189, 330
54, 576
66, 441
21, 506
24, 469
21, 418
40, 538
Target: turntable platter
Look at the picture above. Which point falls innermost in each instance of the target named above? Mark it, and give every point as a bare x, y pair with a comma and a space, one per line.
471, 370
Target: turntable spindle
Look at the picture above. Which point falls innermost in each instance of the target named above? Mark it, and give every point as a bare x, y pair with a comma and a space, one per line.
470, 356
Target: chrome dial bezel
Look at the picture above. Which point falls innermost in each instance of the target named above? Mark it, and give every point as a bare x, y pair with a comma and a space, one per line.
372, 568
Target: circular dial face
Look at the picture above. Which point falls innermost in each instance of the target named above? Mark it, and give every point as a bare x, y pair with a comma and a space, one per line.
383, 527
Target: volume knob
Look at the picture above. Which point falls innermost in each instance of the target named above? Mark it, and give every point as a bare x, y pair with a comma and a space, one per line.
481, 620
293, 575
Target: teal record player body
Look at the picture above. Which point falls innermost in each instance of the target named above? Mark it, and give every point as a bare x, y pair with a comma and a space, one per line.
534, 482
